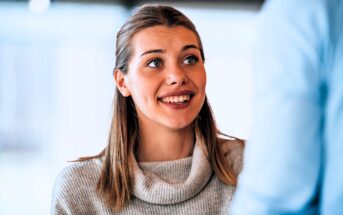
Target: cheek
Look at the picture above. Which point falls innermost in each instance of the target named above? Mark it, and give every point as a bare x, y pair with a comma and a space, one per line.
205, 79
201, 81
143, 92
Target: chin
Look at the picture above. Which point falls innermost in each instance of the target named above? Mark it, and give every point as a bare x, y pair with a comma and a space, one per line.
179, 124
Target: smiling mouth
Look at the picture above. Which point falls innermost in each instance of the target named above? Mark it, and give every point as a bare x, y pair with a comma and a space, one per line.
177, 99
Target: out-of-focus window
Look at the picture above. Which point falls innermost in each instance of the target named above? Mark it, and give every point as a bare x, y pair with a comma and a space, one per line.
56, 87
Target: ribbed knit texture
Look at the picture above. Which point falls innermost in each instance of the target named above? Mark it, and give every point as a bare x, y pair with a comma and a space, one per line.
184, 186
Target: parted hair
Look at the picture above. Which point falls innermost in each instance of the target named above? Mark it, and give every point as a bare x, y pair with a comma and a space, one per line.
116, 178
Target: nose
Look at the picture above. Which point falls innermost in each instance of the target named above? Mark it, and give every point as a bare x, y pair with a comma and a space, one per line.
176, 76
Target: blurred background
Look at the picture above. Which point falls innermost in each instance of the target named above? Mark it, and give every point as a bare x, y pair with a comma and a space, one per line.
56, 83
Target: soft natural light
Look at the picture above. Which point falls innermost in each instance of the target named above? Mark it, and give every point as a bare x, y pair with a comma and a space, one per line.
56, 87
39, 6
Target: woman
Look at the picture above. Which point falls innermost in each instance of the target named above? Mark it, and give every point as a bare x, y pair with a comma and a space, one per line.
164, 154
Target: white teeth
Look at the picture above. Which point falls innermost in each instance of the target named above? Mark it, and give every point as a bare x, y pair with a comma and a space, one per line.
176, 99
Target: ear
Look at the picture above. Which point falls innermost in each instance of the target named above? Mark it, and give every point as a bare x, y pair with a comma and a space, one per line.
120, 80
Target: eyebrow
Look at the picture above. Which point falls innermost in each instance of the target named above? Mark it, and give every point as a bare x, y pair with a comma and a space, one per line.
190, 46
186, 47
153, 51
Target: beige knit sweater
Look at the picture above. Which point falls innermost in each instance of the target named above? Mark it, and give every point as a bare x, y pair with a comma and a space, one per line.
184, 186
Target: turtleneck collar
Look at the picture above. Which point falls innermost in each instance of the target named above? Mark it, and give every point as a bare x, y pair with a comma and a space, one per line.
171, 182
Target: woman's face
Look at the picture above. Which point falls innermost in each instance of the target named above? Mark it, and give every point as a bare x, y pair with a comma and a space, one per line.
166, 77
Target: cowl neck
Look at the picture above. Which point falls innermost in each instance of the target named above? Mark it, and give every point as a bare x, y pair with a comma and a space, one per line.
171, 182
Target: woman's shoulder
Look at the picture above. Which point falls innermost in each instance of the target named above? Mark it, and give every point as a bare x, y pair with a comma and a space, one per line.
74, 184
233, 149
231, 145
80, 171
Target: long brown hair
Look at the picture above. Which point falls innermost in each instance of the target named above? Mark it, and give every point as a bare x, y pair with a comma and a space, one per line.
115, 182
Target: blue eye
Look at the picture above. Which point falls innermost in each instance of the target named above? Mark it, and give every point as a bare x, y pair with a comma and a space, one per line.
191, 60
155, 63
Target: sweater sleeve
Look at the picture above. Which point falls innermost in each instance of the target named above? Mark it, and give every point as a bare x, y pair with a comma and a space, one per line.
59, 204
74, 191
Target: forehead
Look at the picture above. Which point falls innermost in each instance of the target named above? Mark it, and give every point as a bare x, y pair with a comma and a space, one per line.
162, 37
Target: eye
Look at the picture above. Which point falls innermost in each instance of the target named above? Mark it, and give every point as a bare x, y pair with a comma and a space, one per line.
157, 62
191, 60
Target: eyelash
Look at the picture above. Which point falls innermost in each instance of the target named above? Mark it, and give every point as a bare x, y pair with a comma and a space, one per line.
194, 58
154, 60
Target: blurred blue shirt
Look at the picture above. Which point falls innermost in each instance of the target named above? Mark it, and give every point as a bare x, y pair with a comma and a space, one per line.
294, 161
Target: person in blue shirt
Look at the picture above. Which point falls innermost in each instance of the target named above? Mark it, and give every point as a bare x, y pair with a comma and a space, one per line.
293, 162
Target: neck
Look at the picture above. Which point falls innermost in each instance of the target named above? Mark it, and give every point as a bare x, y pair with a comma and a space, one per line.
165, 144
